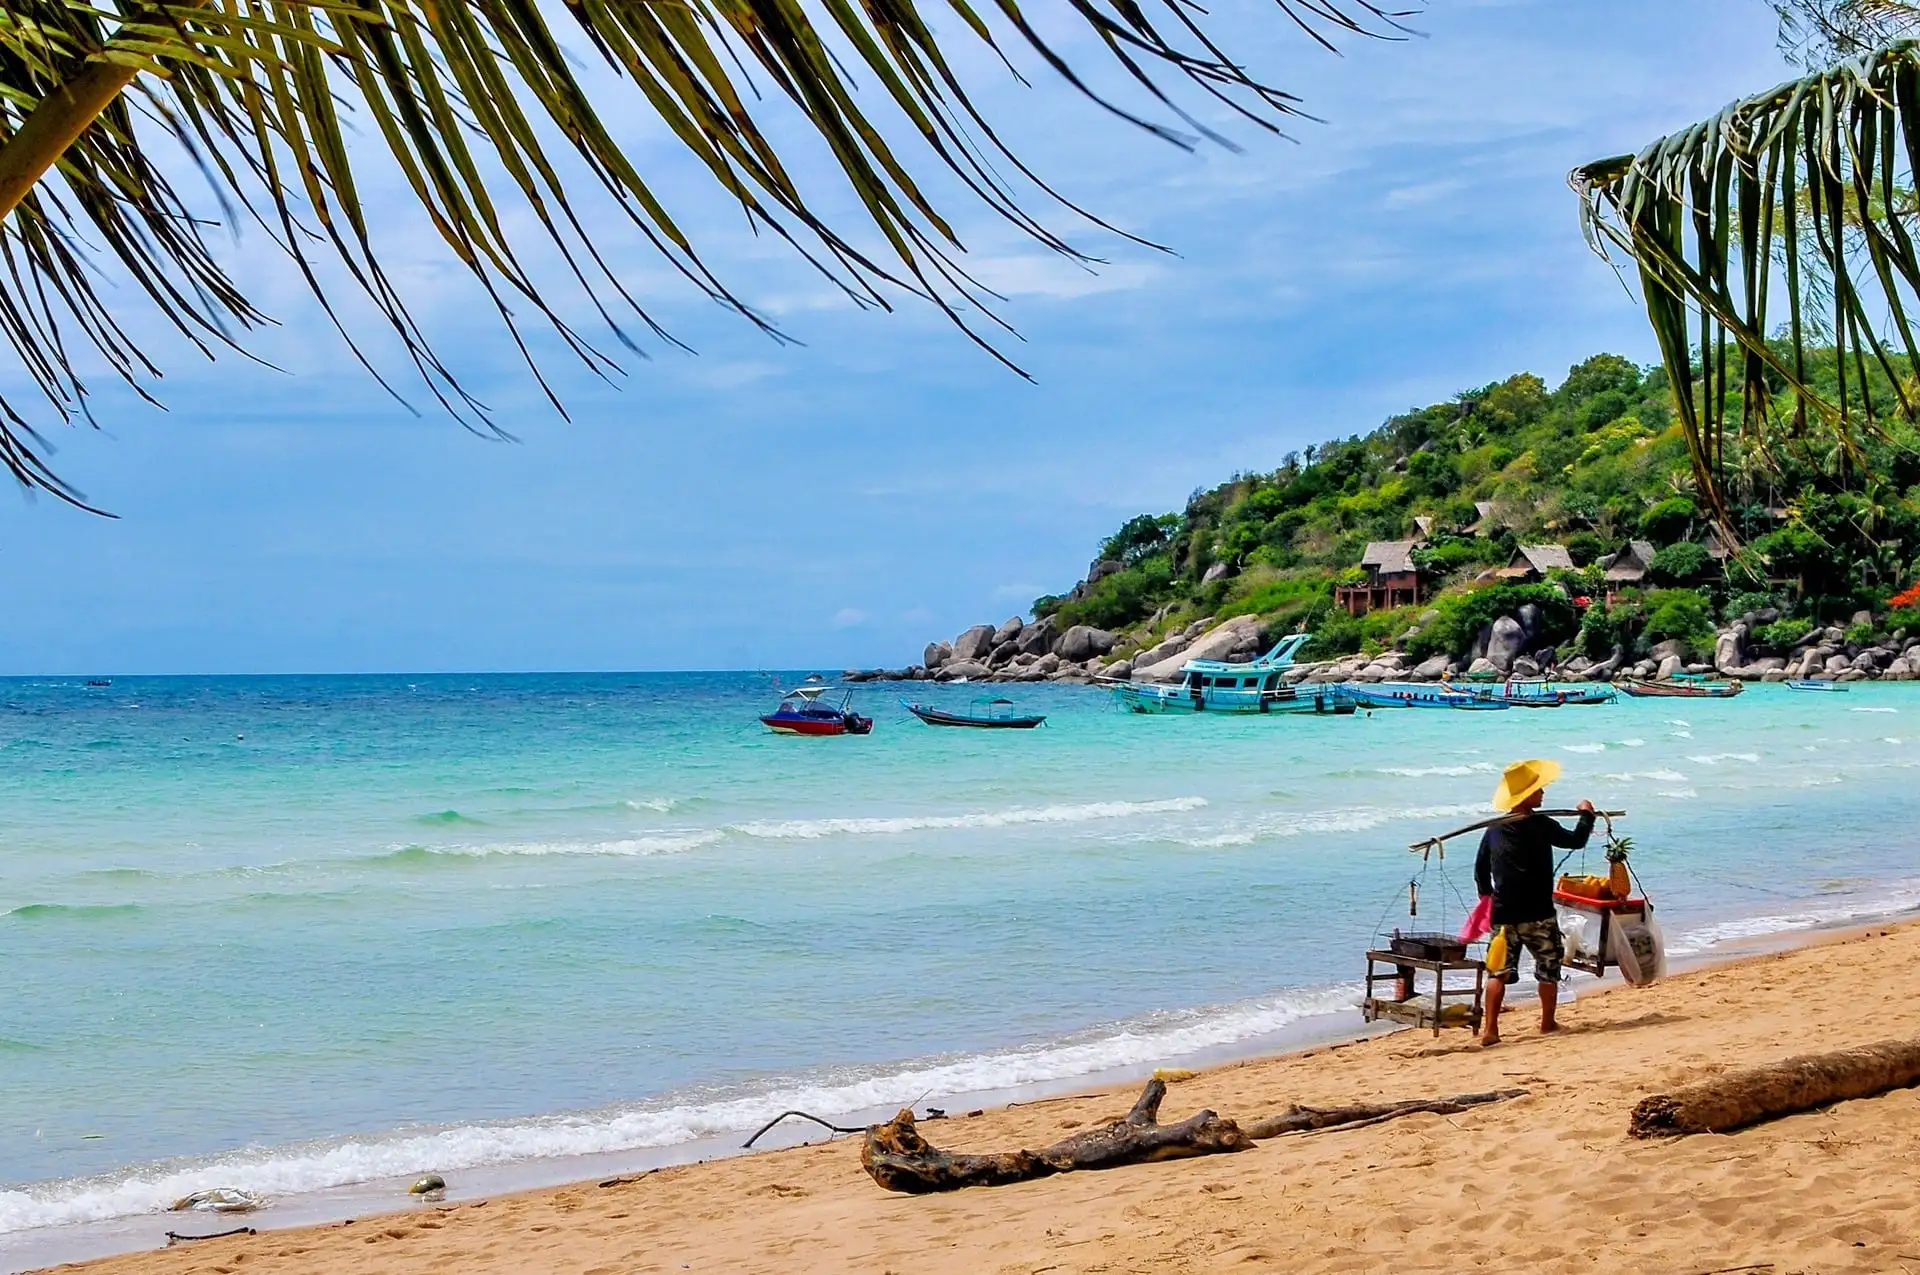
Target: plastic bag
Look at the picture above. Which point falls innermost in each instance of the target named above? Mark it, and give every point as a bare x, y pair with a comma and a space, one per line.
1579, 934
1479, 921
1497, 951
1638, 948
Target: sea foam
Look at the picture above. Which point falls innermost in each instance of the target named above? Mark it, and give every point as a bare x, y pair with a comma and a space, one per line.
1901, 897
811, 829
316, 1166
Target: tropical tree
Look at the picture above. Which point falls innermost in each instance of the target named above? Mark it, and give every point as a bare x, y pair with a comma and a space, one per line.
1818, 32
1742, 224
278, 104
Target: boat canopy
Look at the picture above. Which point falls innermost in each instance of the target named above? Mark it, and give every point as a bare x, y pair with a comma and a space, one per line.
1280, 657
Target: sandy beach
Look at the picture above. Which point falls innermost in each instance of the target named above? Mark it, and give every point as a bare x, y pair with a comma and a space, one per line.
1549, 1182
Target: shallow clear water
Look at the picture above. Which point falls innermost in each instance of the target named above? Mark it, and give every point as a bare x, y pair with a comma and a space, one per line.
287, 933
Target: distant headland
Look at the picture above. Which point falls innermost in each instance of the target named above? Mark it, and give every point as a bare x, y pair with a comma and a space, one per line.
1511, 530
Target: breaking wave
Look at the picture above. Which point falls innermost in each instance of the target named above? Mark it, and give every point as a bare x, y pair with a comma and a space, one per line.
316, 1166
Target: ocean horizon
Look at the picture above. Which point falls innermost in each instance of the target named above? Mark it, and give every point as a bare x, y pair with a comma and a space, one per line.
291, 933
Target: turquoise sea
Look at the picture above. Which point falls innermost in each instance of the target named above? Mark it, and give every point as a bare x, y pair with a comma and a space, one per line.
293, 933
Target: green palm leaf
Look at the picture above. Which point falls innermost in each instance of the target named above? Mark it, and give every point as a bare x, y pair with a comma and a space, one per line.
277, 102
1801, 195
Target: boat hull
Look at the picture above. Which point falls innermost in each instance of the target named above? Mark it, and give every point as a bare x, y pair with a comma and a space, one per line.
1553, 695
1677, 690
1417, 695
1324, 698
934, 717
817, 726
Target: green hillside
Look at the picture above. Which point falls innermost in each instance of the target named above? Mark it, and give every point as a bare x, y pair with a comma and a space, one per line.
1591, 464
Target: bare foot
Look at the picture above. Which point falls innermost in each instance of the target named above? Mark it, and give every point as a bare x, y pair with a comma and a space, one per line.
1488, 1042
1547, 1029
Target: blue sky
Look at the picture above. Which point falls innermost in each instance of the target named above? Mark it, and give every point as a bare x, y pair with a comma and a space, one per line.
842, 501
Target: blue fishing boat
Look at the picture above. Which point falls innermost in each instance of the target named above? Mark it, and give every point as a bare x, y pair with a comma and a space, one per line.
1423, 695
1215, 686
1809, 684
1546, 694
986, 714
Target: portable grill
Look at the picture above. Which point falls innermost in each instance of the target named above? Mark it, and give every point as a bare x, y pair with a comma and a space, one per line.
1429, 947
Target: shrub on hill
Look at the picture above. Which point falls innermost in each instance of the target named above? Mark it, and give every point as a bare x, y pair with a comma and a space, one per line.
1680, 563
1463, 615
1678, 613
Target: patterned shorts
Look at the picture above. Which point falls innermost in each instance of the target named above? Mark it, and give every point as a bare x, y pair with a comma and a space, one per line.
1542, 938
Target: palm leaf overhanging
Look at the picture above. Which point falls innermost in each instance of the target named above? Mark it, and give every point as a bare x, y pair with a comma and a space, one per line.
1798, 197
475, 101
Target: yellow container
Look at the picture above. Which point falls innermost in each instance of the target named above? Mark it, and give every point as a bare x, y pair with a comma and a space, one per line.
1587, 887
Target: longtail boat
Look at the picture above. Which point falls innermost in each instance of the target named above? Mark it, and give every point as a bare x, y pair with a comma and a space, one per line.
1542, 693
1642, 688
1422, 695
986, 714
1809, 684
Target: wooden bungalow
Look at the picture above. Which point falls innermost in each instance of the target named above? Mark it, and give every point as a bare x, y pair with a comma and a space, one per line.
1531, 563
1629, 568
1391, 579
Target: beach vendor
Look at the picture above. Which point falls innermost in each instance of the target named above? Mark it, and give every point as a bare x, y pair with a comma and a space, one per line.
1515, 869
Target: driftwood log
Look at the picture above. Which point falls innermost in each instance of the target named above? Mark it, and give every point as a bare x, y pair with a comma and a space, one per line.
1310, 1119
899, 1159
1741, 1098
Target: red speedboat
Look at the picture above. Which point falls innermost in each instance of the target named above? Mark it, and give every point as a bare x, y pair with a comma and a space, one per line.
806, 711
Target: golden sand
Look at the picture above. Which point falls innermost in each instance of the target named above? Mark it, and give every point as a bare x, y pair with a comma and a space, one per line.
1548, 1183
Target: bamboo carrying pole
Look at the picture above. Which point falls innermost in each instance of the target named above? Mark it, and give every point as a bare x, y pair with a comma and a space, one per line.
1430, 843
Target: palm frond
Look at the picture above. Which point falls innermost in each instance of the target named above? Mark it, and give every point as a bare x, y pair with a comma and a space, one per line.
1815, 33
1801, 192
472, 100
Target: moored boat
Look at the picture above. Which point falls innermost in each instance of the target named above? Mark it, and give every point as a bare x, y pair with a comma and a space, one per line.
1423, 695
1215, 686
985, 714
1641, 688
1549, 694
1809, 684
805, 710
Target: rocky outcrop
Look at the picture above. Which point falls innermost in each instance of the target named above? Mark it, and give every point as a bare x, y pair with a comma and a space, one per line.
1729, 649
1237, 636
1019, 651
975, 644
1506, 639
954, 670
1036, 639
1083, 642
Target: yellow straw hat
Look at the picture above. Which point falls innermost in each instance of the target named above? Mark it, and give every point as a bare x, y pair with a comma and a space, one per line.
1522, 779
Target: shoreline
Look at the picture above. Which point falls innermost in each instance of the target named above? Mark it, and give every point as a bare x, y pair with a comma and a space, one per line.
108, 1240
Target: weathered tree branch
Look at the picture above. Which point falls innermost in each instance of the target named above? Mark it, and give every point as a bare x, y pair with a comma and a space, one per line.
899, 1159
1313, 1119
